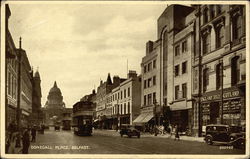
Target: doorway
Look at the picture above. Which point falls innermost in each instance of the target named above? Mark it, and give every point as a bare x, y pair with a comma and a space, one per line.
214, 112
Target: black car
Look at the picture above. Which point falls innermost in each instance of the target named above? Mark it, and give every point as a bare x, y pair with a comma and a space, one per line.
225, 134
130, 131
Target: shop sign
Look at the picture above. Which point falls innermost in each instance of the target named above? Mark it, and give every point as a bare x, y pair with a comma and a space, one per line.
217, 95
147, 110
232, 106
205, 109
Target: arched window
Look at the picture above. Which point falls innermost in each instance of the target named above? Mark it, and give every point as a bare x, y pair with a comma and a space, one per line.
235, 70
219, 37
219, 75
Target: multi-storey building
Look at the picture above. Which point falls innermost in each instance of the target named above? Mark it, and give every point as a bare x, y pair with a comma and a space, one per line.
220, 65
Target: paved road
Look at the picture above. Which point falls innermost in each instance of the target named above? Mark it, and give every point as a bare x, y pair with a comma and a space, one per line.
65, 142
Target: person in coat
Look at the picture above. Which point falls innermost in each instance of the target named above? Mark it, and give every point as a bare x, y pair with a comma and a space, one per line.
26, 142
177, 136
33, 134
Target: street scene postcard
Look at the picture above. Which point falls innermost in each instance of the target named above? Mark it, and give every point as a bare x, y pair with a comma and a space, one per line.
115, 79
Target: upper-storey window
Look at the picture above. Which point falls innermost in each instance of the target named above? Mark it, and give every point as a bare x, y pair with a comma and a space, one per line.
219, 9
235, 70
154, 63
149, 66
205, 16
206, 43
237, 27
184, 46
219, 37
218, 75
176, 70
205, 79
177, 50
145, 68
212, 11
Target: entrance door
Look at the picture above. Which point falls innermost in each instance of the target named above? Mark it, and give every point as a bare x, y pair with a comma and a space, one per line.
214, 112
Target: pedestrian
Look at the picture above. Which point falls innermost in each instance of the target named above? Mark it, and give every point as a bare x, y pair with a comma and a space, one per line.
26, 141
170, 130
177, 136
33, 134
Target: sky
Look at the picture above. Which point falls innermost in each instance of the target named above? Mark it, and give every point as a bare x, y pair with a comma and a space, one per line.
77, 45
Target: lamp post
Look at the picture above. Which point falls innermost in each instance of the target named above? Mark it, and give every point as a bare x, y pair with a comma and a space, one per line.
155, 116
222, 102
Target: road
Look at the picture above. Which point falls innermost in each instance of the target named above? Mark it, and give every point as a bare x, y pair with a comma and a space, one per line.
65, 142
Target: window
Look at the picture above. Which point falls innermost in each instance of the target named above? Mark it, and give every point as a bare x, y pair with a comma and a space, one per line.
235, 70
184, 67
145, 99
184, 46
145, 69
118, 111
115, 96
206, 44
195, 79
149, 99
154, 64
205, 16
128, 108
176, 92
124, 108
121, 94
124, 93
177, 50
219, 37
184, 90
149, 66
118, 95
149, 82
219, 9
205, 79
128, 91
218, 76
145, 84
154, 97
212, 11
237, 27
176, 70
9, 76
121, 109
154, 80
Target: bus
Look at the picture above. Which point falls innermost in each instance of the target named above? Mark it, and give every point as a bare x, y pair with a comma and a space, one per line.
83, 118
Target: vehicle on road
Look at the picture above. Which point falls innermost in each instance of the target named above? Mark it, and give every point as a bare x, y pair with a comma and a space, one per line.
225, 134
129, 130
82, 118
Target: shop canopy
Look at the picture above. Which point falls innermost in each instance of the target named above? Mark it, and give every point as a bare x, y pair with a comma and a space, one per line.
143, 118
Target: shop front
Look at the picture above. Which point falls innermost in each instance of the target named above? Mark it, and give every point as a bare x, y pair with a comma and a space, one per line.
226, 109
145, 121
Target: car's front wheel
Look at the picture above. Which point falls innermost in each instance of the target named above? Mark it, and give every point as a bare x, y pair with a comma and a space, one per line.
209, 140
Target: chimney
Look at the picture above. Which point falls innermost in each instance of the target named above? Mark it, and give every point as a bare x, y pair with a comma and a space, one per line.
101, 82
93, 91
149, 47
132, 74
116, 80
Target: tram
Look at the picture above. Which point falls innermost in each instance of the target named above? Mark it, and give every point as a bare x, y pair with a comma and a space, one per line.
83, 118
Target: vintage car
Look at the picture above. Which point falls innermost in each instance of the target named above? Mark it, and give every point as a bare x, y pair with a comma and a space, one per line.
129, 130
225, 134
57, 127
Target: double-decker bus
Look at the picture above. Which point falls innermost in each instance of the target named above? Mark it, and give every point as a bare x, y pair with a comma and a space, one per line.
82, 118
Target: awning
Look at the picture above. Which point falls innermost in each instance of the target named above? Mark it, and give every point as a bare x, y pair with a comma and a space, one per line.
148, 117
143, 118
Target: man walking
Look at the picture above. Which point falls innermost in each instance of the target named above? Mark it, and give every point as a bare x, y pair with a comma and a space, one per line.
177, 136
26, 141
33, 134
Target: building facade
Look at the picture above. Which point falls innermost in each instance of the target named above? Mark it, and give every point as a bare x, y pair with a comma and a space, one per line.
221, 64
54, 106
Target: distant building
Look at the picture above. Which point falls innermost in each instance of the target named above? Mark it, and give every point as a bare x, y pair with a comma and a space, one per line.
54, 107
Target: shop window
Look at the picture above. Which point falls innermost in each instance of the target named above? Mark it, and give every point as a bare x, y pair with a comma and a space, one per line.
154, 80
177, 92
184, 46
145, 84
205, 79
154, 64
219, 36
184, 90
206, 43
176, 70
184, 67
145, 99
177, 50
235, 70
218, 75
149, 99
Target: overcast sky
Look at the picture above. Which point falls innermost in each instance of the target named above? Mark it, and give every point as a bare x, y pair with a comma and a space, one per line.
79, 44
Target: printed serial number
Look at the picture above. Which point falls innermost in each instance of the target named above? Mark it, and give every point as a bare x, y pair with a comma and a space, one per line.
226, 147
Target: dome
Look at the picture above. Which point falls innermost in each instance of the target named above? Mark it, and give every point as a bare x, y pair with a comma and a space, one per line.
55, 89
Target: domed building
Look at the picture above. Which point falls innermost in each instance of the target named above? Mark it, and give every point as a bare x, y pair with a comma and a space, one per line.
54, 107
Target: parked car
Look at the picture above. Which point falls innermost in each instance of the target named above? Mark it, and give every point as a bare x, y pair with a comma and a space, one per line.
225, 134
129, 130
57, 127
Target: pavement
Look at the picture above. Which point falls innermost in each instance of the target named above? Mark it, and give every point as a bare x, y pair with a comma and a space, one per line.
182, 137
